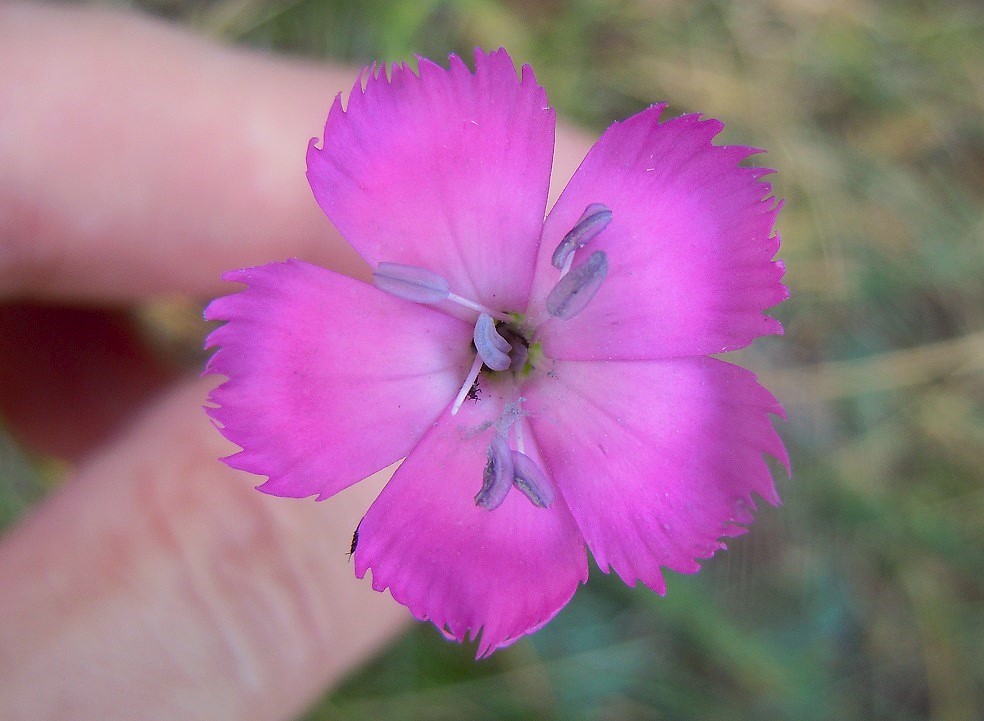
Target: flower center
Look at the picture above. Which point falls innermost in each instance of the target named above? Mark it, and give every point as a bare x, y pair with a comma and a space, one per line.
505, 346
498, 347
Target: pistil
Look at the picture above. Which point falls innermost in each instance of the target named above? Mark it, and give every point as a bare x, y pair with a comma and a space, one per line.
492, 348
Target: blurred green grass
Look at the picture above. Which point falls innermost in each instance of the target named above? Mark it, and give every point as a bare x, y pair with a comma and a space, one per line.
862, 597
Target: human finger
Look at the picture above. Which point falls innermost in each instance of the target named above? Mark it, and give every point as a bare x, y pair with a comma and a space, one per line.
138, 159
158, 584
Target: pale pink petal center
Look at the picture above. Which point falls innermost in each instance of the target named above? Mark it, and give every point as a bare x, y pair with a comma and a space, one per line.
330, 379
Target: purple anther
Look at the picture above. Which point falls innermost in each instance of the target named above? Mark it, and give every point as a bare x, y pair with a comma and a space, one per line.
529, 478
593, 220
411, 282
575, 290
492, 348
498, 476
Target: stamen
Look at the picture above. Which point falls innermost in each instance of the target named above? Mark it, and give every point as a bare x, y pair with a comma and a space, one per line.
575, 290
470, 379
492, 348
518, 435
497, 478
420, 285
455, 298
593, 220
411, 282
531, 480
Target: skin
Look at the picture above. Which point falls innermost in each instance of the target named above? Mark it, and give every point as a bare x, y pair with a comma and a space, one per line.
139, 161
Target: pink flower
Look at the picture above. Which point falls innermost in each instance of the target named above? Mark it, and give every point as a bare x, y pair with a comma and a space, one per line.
547, 381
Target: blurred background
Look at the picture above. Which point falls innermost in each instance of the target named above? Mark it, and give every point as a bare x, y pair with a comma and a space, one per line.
863, 596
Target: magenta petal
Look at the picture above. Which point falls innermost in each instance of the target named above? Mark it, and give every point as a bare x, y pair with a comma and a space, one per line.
447, 171
689, 247
329, 379
657, 460
505, 572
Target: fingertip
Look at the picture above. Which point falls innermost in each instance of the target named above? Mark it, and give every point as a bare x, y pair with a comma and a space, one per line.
138, 159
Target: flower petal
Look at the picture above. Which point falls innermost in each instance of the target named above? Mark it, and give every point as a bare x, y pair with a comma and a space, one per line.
505, 572
689, 246
330, 379
447, 171
657, 460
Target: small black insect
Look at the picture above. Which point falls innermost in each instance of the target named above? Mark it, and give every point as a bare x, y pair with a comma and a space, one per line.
355, 541
475, 392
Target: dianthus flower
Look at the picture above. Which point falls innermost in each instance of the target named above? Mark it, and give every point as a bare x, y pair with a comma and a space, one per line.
548, 382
